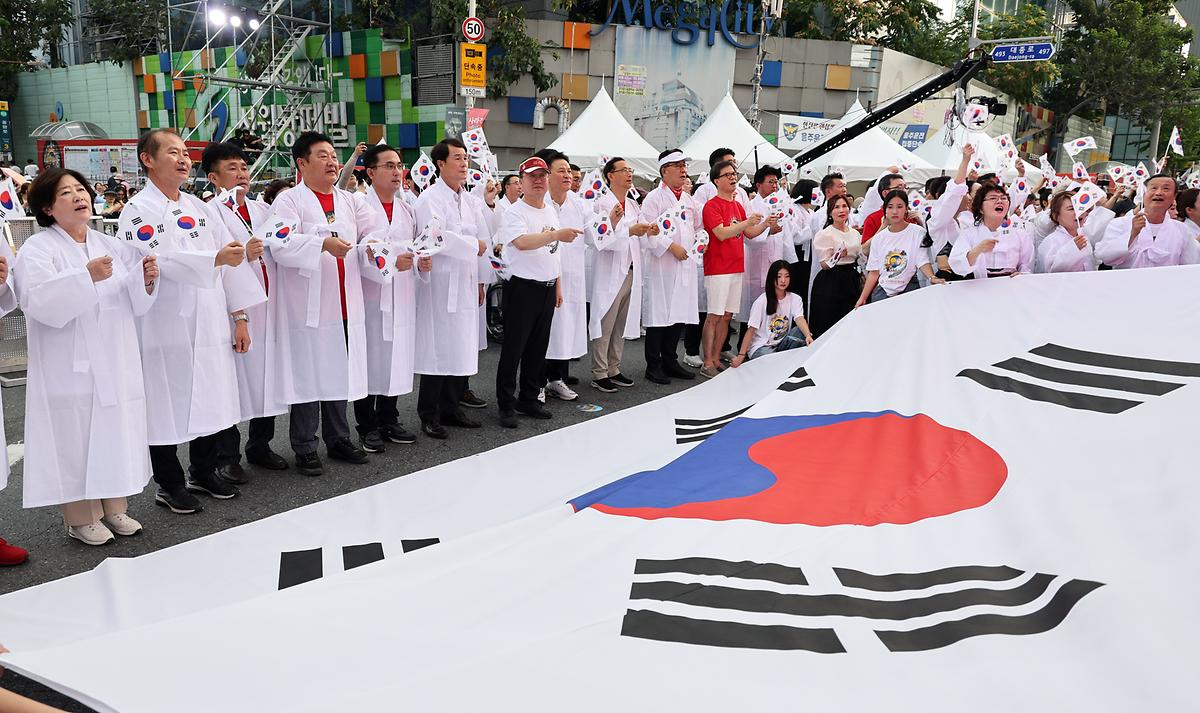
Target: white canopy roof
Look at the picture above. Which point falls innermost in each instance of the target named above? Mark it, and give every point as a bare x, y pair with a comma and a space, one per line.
726, 126
600, 130
947, 158
866, 156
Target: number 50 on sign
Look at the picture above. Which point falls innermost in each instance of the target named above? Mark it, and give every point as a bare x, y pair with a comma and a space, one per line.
472, 65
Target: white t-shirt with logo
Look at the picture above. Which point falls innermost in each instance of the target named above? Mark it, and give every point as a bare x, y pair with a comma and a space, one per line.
897, 256
769, 329
519, 219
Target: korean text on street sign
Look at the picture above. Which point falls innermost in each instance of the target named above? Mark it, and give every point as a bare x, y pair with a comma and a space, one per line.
472, 65
1034, 52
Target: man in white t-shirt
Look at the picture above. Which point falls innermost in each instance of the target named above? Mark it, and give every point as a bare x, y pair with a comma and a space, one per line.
529, 236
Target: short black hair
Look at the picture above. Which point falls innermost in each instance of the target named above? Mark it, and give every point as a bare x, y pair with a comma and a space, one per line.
112, 169
274, 188
885, 183
610, 165
1186, 199
936, 186
440, 153
718, 155
803, 189
216, 153
718, 168
148, 143
1164, 175
44, 189
508, 179
370, 158
575, 168
827, 181
305, 141
550, 155
763, 172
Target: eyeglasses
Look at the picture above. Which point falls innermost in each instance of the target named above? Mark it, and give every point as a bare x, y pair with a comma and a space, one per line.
627, 169
728, 175
390, 166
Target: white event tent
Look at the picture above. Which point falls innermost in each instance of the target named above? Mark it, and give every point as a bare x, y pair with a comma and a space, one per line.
866, 156
947, 157
601, 130
726, 127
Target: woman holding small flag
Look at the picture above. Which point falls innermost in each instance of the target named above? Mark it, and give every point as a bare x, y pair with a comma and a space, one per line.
836, 248
85, 407
995, 246
1066, 249
896, 254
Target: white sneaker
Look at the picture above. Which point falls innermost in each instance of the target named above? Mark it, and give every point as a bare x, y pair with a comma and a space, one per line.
560, 391
541, 396
693, 361
122, 524
93, 534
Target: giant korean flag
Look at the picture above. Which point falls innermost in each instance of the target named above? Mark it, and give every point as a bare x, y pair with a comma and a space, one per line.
979, 497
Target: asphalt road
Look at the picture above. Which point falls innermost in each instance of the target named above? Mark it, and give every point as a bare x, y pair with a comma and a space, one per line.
54, 555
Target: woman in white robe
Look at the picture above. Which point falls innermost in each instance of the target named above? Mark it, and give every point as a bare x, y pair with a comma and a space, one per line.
85, 408
9, 554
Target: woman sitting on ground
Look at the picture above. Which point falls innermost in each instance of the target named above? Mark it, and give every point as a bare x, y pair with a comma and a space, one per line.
776, 321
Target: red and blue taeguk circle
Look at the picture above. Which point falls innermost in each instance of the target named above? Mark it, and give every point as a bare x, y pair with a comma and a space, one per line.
6, 200
186, 222
831, 469
145, 232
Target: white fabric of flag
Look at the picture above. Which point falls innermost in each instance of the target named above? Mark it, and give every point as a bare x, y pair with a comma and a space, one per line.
430, 241
477, 146
975, 517
10, 204
1176, 142
592, 185
1083, 143
423, 171
1087, 197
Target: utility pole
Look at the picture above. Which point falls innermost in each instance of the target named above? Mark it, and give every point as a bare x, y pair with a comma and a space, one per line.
471, 8
769, 8
973, 42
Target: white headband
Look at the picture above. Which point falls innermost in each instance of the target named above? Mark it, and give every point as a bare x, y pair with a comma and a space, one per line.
673, 157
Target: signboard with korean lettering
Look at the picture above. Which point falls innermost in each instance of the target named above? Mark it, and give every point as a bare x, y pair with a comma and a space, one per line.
472, 67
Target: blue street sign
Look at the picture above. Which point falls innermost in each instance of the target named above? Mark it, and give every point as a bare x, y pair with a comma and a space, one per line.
1032, 52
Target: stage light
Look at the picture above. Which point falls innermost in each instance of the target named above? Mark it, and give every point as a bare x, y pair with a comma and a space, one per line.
254, 24
217, 17
235, 21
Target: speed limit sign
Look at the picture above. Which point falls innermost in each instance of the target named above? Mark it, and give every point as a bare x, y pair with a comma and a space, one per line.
472, 29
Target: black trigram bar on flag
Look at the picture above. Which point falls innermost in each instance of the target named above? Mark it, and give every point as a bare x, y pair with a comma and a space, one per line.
1084, 380
689, 430
300, 566
798, 380
707, 613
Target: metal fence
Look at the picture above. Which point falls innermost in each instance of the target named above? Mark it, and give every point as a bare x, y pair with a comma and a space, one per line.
14, 353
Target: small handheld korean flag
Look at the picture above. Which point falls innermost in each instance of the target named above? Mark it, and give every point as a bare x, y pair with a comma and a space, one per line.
916, 200
478, 177
1046, 167
669, 222
777, 203
602, 230
275, 231
430, 241
975, 116
1116, 173
382, 257
905, 167
1083, 143
807, 171
699, 248
744, 181
1021, 186
787, 167
228, 197
1004, 142
1054, 182
1176, 141
141, 231
1140, 174
422, 171
1089, 195
634, 193
604, 159
477, 145
592, 186
10, 205
818, 198
1079, 172
1160, 164
497, 261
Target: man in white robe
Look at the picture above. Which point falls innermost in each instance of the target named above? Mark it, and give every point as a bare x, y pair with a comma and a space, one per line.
187, 337
449, 296
225, 164
670, 284
568, 331
389, 301
1148, 237
320, 286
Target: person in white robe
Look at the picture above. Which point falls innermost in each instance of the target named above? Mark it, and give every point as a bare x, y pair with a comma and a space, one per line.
1187, 206
320, 286
995, 245
617, 271
1067, 249
389, 301
10, 554
259, 392
85, 401
775, 244
670, 284
196, 323
568, 330
1148, 237
448, 297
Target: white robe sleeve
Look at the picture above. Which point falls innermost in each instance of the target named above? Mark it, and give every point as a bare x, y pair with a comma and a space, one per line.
1096, 222
1025, 261
241, 285
942, 225
959, 263
1066, 258
1113, 248
53, 296
301, 252
135, 284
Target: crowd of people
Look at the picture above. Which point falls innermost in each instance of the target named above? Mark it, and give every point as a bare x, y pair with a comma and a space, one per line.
204, 313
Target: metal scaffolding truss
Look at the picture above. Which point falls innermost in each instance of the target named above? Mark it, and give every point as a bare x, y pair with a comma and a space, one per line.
268, 49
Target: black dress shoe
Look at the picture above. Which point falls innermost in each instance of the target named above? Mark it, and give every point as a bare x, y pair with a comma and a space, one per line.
676, 369
211, 485
345, 450
460, 420
657, 376
470, 400
508, 419
233, 473
395, 433
534, 410
268, 459
372, 442
433, 430
309, 464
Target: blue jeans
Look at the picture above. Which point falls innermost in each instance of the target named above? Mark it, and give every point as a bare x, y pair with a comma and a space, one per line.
792, 340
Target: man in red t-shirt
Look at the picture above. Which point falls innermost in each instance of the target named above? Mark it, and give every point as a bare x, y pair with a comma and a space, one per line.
727, 225
887, 184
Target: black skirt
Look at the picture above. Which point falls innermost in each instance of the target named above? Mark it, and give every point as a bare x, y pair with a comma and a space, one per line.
834, 293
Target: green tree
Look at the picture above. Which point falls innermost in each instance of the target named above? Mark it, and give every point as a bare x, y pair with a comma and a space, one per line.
1122, 56
512, 53
127, 29
24, 26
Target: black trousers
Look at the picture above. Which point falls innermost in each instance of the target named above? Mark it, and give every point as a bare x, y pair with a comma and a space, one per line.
258, 440
528, 312
557, 369
692, 334
799, 285
168, 471
374, 411
439, 397
662, 344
